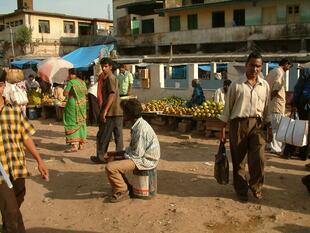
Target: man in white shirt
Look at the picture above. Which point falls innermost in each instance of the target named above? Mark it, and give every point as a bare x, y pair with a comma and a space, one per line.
247, 113
276, 81
31, 83
220, 94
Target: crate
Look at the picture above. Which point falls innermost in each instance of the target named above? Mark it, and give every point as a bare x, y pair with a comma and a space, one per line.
144, 74
145, 83
185, 126
59, 113
214, 126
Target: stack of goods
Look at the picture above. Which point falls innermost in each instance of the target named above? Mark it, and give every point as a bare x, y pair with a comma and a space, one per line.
208, 109
176, 106
34, 98
172, 105
48, 100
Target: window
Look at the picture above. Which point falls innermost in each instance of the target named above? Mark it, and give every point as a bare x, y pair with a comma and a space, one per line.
148, 26
192, 22
292, 14
69, 27
293, 10
239, 17
135, 27
174, 23
44, 26
84, 28
218, 19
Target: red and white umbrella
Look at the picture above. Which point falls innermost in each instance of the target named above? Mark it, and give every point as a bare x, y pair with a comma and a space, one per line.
54, 70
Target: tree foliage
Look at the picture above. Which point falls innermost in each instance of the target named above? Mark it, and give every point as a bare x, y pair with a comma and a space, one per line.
24, 36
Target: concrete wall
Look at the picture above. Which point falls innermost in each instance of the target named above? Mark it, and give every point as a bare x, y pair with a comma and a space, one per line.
215, 35
48, 43
256, 15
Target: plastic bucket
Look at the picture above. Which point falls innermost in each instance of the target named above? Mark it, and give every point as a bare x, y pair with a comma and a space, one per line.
32, 113
144, 183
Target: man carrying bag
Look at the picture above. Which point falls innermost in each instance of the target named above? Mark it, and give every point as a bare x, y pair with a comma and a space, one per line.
221, 165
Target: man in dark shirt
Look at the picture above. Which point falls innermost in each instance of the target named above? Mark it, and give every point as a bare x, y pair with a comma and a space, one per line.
111, 114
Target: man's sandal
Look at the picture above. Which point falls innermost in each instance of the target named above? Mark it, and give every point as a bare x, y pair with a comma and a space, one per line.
119, 196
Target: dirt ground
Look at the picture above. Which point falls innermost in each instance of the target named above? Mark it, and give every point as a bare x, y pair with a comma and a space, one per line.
188, 199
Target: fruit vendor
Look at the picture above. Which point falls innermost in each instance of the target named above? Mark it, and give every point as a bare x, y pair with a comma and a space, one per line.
197, 97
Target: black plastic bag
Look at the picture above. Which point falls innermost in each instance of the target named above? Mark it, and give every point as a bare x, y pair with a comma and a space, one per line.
221, 165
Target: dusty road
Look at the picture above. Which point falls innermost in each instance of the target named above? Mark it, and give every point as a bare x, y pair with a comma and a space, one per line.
188, 199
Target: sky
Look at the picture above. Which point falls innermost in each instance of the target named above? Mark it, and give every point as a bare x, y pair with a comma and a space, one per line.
84, 8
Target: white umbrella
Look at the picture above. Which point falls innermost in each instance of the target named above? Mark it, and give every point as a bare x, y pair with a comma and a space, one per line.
54, 69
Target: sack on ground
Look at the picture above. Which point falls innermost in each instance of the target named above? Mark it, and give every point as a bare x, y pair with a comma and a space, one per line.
221, 165
293, 131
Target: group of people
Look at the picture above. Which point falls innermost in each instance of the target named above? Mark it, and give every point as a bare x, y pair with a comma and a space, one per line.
252, 105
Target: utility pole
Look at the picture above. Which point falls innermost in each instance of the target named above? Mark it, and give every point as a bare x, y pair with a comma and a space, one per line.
12, 41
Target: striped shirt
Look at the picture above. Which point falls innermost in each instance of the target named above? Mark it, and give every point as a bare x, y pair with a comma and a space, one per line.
14, 129
144, 149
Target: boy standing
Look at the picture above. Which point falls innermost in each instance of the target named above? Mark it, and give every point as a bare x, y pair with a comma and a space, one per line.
111, 114
15, 132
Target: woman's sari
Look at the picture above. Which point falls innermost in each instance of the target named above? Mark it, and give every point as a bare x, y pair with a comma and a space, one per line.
75, 112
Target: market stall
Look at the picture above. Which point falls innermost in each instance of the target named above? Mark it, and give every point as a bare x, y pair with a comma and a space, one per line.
171, 111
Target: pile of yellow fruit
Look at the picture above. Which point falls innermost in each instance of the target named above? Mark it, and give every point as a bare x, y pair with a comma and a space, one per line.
177, 111
48, 100
175, 106
34, 98
154, 106
208, 109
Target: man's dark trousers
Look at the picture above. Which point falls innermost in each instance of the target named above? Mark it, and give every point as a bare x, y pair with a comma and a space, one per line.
113, 124
10, 202
247, 141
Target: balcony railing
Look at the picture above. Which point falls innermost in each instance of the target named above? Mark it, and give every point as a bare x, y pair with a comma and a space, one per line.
219, 35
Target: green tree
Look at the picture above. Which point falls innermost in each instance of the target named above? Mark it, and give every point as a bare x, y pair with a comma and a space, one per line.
24, 37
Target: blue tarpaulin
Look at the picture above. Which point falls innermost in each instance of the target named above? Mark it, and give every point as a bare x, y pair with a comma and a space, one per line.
272, 65
83, 57
20, 63
205, 67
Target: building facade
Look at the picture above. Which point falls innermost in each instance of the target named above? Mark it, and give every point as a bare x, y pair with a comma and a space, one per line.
52, 34
211, 26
